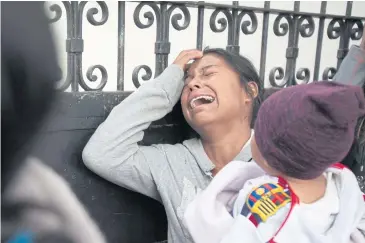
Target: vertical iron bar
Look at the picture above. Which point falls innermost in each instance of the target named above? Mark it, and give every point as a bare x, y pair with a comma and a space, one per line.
265, 33
236, 30
349, 8
165, 36
162, 45
317, 62
121, 39
70, 61
345, 36
75, 33
296, 25
233, 36
200, 27
292, 50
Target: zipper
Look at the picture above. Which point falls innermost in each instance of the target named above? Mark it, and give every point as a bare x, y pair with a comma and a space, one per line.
210, 174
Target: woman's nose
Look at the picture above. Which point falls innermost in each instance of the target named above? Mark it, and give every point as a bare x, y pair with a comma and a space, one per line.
194, 84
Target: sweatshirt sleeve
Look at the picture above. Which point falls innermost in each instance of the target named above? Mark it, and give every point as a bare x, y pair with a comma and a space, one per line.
352, 69
46, 213
113, 153
361, 226
358, 236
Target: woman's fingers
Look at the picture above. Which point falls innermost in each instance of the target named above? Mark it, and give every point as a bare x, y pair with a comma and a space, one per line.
187, 55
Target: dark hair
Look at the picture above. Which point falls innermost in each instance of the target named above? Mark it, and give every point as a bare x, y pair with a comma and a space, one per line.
242, 66
29, 71
247, 73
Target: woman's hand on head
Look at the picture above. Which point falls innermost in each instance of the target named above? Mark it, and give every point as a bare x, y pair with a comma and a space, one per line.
186, 56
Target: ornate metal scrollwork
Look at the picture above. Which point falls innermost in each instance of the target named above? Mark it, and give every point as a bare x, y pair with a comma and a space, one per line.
163, 15
223, 22
56, 8
233, 20
345, 30
75, 43
294, 25
281, 29
248, 27
178, 16
145, 77
356, 33
329, 73
148, 15
89, 74
57, 11
90, 14
333, 31
93, 78
277, 73
303, 74
306, 30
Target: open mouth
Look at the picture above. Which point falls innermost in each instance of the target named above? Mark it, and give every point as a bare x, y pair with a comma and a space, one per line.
201, 100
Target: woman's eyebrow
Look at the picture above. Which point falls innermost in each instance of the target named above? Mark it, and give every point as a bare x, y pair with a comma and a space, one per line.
208, 66
201, 69
204, 69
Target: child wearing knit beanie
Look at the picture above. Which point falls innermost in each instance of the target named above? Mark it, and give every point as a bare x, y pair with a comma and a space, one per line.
297, 191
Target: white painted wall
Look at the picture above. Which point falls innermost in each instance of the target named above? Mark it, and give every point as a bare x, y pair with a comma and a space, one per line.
101, 42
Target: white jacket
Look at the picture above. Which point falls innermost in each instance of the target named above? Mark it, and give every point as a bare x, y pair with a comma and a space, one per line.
220, 213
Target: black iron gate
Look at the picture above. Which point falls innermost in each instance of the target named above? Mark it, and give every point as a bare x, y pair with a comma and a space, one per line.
292, 24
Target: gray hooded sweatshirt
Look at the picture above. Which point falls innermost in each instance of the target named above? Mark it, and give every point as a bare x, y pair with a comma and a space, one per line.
171, 174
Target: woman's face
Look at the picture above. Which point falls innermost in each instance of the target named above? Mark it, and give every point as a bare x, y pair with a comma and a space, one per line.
213, 94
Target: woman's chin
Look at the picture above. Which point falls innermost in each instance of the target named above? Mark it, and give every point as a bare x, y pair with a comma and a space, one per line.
200, 120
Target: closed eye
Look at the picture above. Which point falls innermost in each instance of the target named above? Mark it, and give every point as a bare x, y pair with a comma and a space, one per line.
209, 74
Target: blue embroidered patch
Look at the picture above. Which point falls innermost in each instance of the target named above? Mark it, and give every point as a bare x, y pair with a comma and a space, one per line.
265, 201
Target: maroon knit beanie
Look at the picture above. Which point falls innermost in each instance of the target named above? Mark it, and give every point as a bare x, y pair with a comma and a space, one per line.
304, 129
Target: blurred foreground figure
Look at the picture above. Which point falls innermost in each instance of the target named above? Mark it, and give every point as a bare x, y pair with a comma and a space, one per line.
37, 204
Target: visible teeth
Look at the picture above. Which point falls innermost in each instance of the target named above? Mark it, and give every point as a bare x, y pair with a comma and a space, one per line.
206, 97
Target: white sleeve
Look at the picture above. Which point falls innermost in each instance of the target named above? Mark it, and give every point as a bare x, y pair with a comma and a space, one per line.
358, 236
242, 231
